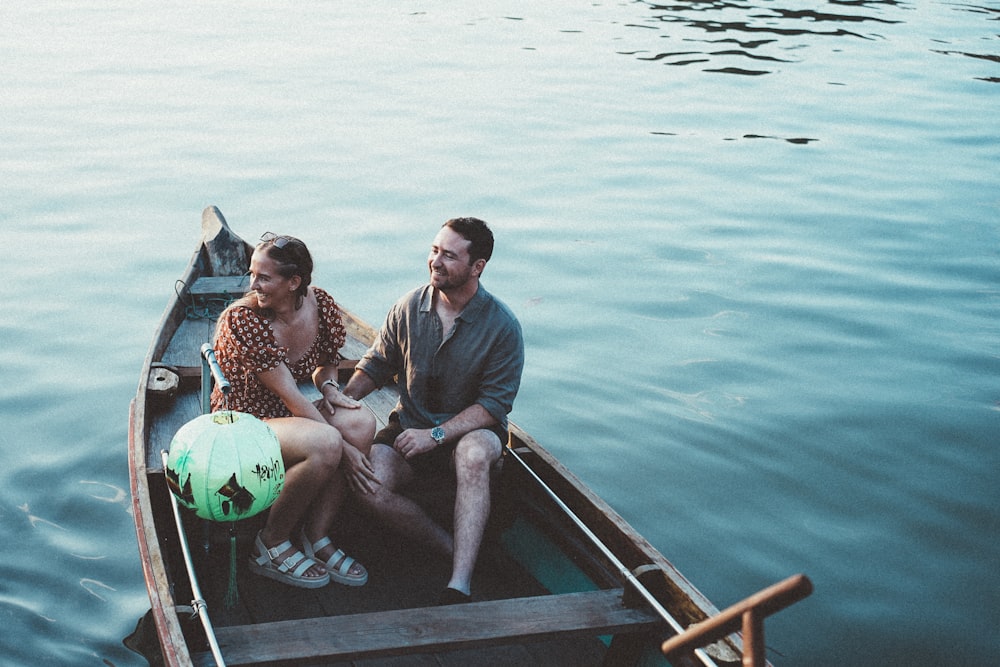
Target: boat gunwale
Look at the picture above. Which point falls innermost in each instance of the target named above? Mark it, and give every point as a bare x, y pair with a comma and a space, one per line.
155, 571
600, 516
612, 529
636, 552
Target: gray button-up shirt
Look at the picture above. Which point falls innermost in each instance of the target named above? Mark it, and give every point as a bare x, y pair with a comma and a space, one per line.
479, 361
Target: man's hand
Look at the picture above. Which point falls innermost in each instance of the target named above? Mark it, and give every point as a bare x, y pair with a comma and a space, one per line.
414, 441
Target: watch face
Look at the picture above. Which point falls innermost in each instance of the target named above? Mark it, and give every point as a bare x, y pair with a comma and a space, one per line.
438, 434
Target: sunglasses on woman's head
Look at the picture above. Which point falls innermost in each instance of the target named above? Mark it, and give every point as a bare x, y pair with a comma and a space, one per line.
279, 241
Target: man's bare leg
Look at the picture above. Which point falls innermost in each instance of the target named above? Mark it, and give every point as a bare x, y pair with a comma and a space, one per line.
475, 456
399, 512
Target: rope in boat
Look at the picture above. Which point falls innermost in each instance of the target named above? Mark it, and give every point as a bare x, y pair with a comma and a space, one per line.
622, 568
201, 308
199, 605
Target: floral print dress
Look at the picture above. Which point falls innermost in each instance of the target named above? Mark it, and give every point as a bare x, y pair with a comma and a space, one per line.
245, 347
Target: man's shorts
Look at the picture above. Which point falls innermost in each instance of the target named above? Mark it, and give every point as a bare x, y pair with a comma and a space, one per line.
438, 460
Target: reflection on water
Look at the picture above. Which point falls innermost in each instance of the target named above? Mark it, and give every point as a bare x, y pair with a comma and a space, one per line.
766, 29
760, 310
978, 56
991, 14
758, 36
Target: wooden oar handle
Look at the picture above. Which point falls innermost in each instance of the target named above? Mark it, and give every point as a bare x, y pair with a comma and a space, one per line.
749, 614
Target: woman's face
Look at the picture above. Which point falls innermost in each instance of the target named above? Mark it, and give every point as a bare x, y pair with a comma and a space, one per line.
273, 290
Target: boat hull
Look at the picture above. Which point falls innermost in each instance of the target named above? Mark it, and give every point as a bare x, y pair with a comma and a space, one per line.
534, 556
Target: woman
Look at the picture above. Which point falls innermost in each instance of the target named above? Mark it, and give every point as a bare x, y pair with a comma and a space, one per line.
281, 333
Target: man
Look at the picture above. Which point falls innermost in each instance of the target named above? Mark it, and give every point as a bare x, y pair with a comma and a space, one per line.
458, 353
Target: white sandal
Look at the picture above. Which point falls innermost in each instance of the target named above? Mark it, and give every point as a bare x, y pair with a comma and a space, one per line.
292, 570
342, 574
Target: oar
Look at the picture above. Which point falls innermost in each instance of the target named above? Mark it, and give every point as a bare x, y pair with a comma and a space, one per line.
198, 603
622, 569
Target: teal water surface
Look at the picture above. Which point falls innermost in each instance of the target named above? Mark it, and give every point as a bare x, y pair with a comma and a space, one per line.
754, 249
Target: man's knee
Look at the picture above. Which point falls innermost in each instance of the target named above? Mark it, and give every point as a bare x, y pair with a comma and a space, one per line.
478, 451
391, 471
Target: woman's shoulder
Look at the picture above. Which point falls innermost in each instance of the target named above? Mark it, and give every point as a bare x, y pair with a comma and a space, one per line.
322, 296
241, 310
329, 309
326, 304
242, 320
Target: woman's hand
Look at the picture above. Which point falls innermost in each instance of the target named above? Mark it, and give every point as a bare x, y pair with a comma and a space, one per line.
358, 470
333, 398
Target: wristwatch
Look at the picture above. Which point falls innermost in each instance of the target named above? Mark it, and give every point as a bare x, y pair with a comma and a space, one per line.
438, 434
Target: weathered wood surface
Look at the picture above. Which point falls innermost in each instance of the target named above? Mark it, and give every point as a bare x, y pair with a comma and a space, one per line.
404, 580
153, 532
227, 254
404, 631
163, 381
220, 286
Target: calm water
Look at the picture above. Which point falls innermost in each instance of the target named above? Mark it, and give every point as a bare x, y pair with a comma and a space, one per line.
754, 249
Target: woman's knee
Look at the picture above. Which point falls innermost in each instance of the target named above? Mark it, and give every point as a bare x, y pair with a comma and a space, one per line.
325, 448
360, 430
364, 429
303, 439
357, 426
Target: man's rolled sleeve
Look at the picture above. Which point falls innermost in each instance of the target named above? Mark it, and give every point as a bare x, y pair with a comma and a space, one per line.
381, 361
503, 374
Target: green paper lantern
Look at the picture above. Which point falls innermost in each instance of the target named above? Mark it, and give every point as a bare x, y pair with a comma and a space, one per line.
225, 466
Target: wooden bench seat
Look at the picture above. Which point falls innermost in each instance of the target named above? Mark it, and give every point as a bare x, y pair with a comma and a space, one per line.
227, 287
432, 629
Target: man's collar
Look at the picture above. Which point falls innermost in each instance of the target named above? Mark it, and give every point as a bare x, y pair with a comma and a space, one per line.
469, 313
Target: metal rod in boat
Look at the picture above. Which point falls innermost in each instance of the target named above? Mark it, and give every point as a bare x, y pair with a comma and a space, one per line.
200, 607
220, 379
622, 569
209, 361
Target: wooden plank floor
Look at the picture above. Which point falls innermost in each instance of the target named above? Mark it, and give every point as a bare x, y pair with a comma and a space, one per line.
399, 632
401, 576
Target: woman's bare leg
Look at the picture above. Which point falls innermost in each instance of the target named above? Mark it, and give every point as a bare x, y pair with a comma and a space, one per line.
311, 452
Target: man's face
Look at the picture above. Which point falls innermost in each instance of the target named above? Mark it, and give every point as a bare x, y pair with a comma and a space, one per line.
449, 261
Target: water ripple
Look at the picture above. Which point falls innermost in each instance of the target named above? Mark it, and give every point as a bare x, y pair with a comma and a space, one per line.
785, 29
755, 261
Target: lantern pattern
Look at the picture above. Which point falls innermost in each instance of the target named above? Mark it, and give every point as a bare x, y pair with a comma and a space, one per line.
225, 466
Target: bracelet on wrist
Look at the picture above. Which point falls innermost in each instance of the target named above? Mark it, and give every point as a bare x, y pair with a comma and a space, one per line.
331, 383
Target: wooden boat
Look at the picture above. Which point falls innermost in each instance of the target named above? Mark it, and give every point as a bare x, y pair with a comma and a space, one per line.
562, 579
